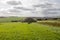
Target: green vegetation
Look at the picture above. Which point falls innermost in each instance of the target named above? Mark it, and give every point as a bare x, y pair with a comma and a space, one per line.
24, 31
51, 22
9, 19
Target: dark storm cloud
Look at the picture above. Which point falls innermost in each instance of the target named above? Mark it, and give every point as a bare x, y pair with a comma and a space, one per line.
14, 2
25, 9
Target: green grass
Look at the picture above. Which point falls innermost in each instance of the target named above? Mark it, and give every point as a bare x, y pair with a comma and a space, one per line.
24, 31
9, 19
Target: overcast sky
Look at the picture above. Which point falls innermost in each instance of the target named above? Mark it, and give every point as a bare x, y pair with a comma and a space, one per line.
33, 8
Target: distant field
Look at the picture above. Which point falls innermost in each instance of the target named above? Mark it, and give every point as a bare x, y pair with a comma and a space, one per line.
9, 19
51, 22
24, 31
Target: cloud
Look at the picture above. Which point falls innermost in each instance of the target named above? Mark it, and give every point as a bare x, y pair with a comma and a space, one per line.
24, 8
45, 5
14, 2
14, 11
49, 9
30, 7
55, 1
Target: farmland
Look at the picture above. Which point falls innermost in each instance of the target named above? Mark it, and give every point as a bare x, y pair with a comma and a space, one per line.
24, 31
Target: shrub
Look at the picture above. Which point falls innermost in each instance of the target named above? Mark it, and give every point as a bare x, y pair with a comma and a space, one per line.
29, 20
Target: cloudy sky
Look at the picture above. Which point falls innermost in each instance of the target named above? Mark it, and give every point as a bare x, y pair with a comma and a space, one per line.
27, 8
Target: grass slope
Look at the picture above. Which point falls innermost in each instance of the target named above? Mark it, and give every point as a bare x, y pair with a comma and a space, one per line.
24, 31
9, 19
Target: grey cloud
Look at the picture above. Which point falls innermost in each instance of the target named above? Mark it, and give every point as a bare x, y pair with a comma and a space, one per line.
14, 2
14, 10
56, 9
38, 5
39, 8
46, 5
57, 1
23, 8
51, 12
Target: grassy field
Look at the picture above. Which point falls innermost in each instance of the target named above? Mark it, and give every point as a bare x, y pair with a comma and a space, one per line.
23, 31
9, 19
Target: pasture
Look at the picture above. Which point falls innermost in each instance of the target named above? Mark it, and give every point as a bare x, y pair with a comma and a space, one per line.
23, 31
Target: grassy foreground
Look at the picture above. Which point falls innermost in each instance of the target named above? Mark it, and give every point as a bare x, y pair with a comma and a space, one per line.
24, 31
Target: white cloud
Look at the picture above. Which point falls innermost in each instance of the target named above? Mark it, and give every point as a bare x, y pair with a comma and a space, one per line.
30, 7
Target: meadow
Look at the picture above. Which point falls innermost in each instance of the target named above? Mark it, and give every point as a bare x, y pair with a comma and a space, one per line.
9, 19
24, 31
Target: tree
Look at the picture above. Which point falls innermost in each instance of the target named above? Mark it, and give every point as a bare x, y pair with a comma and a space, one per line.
29, 20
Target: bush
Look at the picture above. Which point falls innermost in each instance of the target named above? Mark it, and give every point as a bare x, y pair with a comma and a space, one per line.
29, 20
